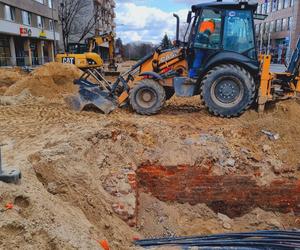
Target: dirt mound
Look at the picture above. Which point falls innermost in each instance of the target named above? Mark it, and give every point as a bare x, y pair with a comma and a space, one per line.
52, 81
9, 77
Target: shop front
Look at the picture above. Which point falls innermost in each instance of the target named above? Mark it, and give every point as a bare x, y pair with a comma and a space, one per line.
5, 54
22, 45
20, 52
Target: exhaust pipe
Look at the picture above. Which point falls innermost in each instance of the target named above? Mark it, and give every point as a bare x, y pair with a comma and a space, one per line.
177, 43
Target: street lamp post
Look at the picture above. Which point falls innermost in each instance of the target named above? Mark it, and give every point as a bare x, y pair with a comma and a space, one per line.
291, 30
53, 26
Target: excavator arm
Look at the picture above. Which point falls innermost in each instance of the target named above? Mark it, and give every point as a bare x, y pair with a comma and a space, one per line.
100, 40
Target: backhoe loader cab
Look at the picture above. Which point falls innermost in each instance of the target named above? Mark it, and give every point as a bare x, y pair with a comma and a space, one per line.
218, 61
233, 33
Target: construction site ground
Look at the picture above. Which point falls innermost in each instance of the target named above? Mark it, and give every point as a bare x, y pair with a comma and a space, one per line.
87, 176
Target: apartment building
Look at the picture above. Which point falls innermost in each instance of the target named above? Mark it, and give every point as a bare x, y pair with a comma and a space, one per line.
28, 29
279, 32
104, 13
105, 22
107, 15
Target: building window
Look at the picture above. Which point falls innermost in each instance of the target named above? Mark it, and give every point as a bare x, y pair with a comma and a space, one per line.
50, 3
274, 5
292, 3
272, 26
257, 29
269, 7
284, 24
290, 23
40, 1
267, 27
51, 27
4, 51
280, 4
286, 4
40, 22
263, 8
259, 9
26, 17
9, 13
262, 28
278, 25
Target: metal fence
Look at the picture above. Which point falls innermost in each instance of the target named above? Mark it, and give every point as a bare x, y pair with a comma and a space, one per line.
23, 61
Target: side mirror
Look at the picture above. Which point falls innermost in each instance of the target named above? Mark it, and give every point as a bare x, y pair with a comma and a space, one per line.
189, 17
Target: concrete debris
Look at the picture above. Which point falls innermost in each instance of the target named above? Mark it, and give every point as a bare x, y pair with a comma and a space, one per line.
271, 136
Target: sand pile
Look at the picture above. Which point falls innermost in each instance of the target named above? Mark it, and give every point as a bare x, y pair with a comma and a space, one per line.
9, 77
52, 81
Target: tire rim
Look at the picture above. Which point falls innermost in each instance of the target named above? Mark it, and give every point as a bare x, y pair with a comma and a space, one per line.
227, 91
146, 98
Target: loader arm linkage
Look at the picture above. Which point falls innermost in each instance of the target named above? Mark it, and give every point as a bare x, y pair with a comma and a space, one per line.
289, 81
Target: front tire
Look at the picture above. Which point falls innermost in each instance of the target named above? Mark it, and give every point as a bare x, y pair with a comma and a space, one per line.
228, 90
147, 97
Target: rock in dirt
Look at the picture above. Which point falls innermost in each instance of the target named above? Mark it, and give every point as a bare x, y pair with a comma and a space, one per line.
14, 100
266, 148
230, 162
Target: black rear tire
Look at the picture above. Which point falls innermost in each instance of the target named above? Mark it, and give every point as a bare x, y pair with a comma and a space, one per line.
228, 90
147, 97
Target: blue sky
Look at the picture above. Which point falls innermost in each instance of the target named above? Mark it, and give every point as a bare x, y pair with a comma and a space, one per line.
149, 20
165, 5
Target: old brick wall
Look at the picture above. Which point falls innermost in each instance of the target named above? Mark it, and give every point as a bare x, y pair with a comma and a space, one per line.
234, 195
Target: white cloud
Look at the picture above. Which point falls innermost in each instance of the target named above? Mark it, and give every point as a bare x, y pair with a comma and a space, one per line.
141, 23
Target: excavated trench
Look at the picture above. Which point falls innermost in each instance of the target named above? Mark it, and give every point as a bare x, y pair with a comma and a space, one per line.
159, 200
233, 195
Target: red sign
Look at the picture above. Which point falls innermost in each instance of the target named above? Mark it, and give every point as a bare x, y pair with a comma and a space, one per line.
25, 31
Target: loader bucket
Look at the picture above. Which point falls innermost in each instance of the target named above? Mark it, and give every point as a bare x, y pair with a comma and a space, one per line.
91, 95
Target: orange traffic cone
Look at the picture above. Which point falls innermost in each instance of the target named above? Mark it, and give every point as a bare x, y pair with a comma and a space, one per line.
104, 244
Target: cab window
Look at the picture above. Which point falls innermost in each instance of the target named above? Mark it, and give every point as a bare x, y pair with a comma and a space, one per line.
238, 32
208, 30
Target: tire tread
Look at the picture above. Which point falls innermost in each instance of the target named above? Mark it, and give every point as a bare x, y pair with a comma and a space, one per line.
208, 78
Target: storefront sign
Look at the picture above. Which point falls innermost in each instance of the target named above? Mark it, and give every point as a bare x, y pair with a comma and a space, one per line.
43, 34
25, 31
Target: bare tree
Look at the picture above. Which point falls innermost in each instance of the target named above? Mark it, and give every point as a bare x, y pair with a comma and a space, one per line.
135, 51
184, 31
77, 19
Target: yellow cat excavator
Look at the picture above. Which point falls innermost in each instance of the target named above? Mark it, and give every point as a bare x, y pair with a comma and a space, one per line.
230, 77
90, 59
